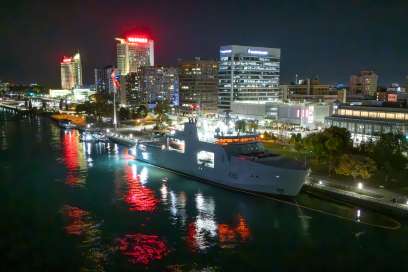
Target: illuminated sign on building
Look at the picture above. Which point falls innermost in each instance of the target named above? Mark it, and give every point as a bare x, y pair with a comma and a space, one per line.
257, 52
66, 60
226, 51
392, 98
137, 40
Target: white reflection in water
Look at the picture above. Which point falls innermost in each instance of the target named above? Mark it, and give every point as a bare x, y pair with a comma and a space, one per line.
134, 171
144, 175
164, 192
205, 224
88, 148
178, 207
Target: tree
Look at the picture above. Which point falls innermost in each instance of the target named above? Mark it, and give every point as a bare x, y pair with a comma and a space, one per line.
327, 146
124, 113
240, 125
141, 111
388, 152
252, 126
356, 166
162, 108
297, 141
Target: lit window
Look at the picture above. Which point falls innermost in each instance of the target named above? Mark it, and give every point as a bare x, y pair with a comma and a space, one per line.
205, 158
177, 145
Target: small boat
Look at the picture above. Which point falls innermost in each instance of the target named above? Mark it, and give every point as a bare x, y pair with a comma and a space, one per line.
93, 136
64, 123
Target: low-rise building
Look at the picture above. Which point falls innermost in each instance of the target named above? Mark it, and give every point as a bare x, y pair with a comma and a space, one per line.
309, 91
368, 122
306, 115
58, 93
364, 83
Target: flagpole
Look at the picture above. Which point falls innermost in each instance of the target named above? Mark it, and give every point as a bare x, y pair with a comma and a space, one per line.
115, 89
115, 124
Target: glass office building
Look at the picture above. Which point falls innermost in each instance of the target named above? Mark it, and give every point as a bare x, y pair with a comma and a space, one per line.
248, 73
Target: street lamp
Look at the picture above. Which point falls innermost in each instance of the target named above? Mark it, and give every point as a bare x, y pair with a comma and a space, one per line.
360, 185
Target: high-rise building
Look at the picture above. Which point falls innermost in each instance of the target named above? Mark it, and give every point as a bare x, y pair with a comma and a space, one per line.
103, 79
365, 83
159, 83
134, 52
71, 72
198, 85
248, 73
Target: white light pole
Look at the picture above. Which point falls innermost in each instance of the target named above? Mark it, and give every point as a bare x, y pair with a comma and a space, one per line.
115, 124
116, 86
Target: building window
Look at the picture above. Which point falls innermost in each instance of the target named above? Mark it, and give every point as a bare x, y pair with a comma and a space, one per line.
205, 158
390, 115
177, 145
372, 115
356, 113
364, 114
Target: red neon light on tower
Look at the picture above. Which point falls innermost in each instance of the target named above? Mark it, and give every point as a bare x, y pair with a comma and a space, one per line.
66, 60
137, 39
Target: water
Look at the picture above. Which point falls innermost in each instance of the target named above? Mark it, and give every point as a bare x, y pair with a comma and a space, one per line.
69, 206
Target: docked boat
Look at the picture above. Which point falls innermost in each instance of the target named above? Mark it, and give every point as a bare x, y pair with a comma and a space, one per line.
238, 162
93, 136
64, 123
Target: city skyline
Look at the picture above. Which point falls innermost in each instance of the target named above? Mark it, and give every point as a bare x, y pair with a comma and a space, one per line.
357, 35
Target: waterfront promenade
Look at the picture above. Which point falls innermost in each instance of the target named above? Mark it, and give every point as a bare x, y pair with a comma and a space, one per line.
379, 199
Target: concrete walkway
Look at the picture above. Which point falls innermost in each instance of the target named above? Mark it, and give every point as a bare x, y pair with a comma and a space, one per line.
361, 193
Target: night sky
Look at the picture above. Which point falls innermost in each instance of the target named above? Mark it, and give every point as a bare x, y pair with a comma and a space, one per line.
332, 39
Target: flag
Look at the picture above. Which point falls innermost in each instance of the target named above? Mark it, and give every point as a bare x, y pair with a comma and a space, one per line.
115, 79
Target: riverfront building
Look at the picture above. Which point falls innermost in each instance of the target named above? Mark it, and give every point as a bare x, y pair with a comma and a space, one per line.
365, 83
71, 72
198, 85
248, 73
367, 122
133, 52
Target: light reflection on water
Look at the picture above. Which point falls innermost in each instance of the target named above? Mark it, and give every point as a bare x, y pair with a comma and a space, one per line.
139, 197
126, 215
74, 159
80, 223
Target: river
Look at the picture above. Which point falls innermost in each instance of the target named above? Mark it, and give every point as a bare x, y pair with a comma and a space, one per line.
70, 206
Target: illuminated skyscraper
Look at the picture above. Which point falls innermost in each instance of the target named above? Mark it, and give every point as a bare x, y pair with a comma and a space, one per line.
134, 52
248, 73
71, 72
198, 85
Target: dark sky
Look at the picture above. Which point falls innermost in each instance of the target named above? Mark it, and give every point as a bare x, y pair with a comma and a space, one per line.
329, 38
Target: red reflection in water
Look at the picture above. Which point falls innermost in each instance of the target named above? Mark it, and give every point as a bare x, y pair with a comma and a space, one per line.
138, 197
142, 248
242, 229
191, 236
71, 156
76, 216
229, 233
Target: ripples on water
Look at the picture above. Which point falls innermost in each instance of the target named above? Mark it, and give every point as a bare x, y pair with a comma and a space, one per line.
126, 215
